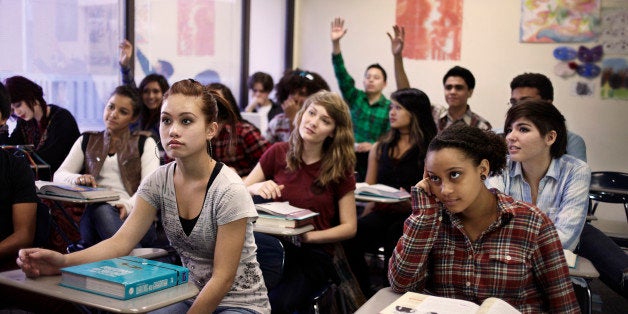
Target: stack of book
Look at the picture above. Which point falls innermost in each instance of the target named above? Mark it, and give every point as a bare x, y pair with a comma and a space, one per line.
78, 192
123, 277
284, 215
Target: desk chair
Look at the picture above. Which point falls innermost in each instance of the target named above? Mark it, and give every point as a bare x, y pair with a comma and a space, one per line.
608, 187
582, 275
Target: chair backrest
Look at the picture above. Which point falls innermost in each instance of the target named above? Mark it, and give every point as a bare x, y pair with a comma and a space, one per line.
271, 256
609, 186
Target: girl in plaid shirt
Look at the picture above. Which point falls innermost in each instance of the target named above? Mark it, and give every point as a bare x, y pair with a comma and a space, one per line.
465, 241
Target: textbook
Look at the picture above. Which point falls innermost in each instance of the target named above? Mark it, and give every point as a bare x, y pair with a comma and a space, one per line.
75, 191
380, 190
285, 210
123, 277
413, 302
282, 222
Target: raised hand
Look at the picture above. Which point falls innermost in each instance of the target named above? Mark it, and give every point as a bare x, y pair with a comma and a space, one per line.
338, 29
126, 51
396, 42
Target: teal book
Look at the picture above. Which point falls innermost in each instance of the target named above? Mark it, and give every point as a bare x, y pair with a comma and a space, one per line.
123, 277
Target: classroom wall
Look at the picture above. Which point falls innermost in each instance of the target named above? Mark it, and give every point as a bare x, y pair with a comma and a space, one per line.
490, 49
267, 37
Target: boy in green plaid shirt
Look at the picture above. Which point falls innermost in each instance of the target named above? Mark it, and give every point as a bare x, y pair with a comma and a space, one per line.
369, 108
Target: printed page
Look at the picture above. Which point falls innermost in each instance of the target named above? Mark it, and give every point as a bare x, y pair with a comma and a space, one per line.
496, 306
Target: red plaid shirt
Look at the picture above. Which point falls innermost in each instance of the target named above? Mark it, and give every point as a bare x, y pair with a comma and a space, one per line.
519, 257
244, 152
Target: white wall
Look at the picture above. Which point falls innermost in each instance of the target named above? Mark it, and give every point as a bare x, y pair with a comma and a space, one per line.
267, 38
490, 49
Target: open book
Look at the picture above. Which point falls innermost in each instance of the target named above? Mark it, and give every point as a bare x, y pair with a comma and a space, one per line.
380, 190
75, 191
413, 302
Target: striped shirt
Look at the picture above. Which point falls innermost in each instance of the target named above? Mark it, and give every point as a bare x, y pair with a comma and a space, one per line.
370, 121
443, 119
563, 194
518, 258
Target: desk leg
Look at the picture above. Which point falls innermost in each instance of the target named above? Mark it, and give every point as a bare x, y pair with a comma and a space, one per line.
66, 215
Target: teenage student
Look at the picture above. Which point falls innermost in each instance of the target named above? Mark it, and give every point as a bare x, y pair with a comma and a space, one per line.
291, 91
49, 128
239, 144
18, 200
465, 241
206, 211
540, 172
397, 161
538, 86
261, 84
111, 159
152, 89
458, 85
369, 107
313, 170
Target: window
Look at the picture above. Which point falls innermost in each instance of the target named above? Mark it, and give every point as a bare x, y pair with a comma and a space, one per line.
69, 47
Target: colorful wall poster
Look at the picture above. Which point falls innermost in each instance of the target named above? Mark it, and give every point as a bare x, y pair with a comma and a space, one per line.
614, 78
559, 21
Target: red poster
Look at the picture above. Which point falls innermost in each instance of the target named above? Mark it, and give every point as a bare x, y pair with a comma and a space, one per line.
433, 28
195, 27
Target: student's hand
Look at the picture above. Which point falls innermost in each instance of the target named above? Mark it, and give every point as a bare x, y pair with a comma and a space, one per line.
126, 51
122, 211
363, 147
396, 42
290, 108
269, 189
424, 184
338, 29
37, 262
86, 180
255, 103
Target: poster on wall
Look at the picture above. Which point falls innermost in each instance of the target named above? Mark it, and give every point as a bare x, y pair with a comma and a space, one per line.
195, 28
559, 21
433, 28
614, 83
614, 35
189, 39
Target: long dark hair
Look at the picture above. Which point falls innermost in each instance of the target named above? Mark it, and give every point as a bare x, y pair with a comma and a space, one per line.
151, 117
422, 126
23, 89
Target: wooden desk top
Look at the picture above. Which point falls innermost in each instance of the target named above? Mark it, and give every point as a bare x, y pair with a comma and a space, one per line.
49, 285
282, 231
378, 301
77, 200
368, 198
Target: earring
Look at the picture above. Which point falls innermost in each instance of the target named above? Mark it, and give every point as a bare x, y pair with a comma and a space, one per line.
482, 177
209, 148
157, 150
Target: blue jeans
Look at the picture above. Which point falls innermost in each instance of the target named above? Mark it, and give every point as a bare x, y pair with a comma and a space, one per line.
607, 257
184, 306
101, 221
